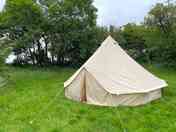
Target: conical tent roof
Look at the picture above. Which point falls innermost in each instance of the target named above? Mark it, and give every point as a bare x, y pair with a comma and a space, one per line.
117, 72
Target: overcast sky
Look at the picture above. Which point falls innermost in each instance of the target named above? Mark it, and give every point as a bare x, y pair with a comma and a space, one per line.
119, 12
2, 2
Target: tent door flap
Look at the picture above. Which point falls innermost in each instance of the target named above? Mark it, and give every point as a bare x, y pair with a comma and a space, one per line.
83, 96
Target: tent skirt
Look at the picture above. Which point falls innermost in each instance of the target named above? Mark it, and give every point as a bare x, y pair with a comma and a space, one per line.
86, 89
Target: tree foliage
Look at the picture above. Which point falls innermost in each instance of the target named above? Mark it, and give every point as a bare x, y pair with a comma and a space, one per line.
58, 35
161, 23
64, 32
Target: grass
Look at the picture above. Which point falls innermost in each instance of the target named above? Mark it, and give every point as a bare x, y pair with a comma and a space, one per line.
34, 101
2, 81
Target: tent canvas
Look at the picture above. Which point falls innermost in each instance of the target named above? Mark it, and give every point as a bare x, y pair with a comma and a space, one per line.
110, 77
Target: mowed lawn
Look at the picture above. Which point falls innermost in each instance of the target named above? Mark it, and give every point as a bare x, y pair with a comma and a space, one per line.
34, 101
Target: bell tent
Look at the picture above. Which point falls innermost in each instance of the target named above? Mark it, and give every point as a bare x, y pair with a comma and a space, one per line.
110, 77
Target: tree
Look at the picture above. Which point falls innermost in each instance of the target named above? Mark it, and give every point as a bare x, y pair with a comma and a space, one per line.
73, 22
135, 42
23, 20
163, 17
161, 24
63, 29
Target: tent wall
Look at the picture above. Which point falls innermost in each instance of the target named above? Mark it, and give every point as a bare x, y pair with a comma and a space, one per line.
74, 90
97, 95
133, 99
85, 84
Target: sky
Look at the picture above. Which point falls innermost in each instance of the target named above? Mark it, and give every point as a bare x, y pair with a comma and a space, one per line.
2, 2
119, 12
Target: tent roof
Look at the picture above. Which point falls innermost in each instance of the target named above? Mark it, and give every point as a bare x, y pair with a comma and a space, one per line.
117, 72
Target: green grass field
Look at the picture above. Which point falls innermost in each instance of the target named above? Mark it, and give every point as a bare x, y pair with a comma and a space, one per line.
33, 101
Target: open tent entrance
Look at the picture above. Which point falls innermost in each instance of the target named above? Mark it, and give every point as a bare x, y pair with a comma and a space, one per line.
83, 93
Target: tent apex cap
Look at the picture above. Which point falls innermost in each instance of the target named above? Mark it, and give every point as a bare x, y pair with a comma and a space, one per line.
110, 40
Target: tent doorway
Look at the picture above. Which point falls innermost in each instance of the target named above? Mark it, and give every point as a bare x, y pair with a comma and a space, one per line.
83, 94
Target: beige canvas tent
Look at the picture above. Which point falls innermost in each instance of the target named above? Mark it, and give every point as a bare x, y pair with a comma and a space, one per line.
111, 77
